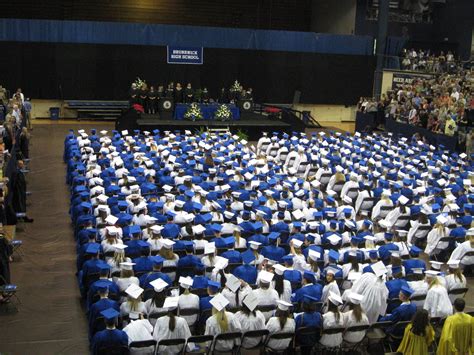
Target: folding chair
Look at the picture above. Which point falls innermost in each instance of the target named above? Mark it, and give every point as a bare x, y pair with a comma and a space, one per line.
202, 344
256, 335
16, 244
355, 346
141, 345
353, 193
179, 342
418, 300
458, 292
306, 337
114, 350
232, 336
393, 338
447, 250
8, 291
376, 334
189, 312
331, 331
279, 336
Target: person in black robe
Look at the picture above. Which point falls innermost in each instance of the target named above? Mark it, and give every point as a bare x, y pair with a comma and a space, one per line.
18, 183
6, 251
223, 96
152, 101
189, 94
133, 94
170, 91
205, 96
178, 93
143, 96
24, 141
161, 92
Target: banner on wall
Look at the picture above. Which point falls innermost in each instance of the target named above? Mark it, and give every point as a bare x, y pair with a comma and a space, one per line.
185, 55
400, 79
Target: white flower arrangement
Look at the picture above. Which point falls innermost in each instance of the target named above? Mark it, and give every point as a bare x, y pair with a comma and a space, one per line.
193, 113
139, 82
223, 113
235, 87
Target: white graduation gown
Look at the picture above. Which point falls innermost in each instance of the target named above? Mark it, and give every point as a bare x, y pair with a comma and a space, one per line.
140, 330
251, 322
212, 328
266, 298
432, 241
329, 322
437, 302
328, 288
377, 212
350, 321
273, 325
189, 301
461, 249
162, 331
375, 295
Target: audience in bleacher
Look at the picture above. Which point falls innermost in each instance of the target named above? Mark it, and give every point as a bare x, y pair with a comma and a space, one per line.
425, 60
352, 216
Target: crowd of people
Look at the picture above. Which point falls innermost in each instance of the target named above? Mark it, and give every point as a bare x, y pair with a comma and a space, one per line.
428, 61
148, 96
14, 154
180, 234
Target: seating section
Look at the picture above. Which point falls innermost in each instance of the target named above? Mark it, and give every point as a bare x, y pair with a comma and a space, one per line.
92, 109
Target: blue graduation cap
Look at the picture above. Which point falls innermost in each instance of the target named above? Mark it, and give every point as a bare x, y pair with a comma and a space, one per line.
86, 205
414, 250
213, 285
288, 259
216, 228
435, 207
333, 254
104, 267
297, 224
229, 241
188, 245
143, 244
373, 254
102, 285
189, 193
134, 229
310, 276
273, 236
203, 218
257, 225
93, 248
157, 260
347, 211
396, 270
318, 214
248, 256
110, 314
407, 291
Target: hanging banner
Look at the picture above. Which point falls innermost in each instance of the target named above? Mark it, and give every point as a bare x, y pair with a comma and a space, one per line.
185, 55
400, 79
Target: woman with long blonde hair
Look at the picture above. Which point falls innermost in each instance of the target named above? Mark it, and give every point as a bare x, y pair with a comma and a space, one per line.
439, 231
118, 258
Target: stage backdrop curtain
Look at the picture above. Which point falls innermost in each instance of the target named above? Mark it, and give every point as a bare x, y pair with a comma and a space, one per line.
26, 30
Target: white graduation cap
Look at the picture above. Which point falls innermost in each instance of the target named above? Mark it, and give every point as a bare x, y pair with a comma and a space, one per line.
121, 247
185, 282
134, 291
441, 219
254, 245
283, 305
126, 265
453, 264
334, 298
171, 303
355, 298
179, 203
334, 239
168, 244
441, 182
297, 214
210, 248
156, 228
111, 220
198, 229
379, 269
297, 243
221, 263
159, 284
232, 282
219, 302
313, 254
436, 265
431, 273
403, 200
266, 276
250, 301
331, 193
279, 269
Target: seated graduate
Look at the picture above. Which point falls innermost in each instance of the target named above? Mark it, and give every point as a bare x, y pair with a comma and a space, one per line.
455, 279
171, 326
437, 301
103, 279
126, 276
101, 305
134, 305
310, 288
266, 295
404, 312
188, 300
235, 290
250, 318
355, 317
247, 272
309, 317
154, 305
282, 322
110, 336
458, 331
222, 322
331, 284
139, 330
333, 318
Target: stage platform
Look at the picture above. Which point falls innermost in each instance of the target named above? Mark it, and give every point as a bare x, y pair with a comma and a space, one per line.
253, 127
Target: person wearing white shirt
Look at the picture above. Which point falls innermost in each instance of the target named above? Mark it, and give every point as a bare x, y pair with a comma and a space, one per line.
250, 319
140, 330
281, 323
355, 317
171, 327
462, 249
266, 295
455, 279
437, 301
333, 318
439, 231
331, 285
126, 276
188, 300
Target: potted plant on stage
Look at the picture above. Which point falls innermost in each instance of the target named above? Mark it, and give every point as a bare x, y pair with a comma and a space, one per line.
223, 113
193, 113
234, 91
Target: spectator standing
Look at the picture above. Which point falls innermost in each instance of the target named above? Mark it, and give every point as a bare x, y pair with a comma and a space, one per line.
418, 336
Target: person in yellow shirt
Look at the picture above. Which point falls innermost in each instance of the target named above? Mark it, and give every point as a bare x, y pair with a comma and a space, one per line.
450, 127
458, 332
418, 336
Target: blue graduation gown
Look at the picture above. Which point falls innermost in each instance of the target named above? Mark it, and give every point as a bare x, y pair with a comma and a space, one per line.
394, 287
204, 303
188, 261
248, 273
99, 306
403, 312
108, 337
314, 290
294, 276
309, 320
93, 289
411, 264
143, 264
200, 282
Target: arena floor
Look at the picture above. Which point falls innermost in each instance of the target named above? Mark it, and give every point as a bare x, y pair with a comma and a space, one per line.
50, 318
